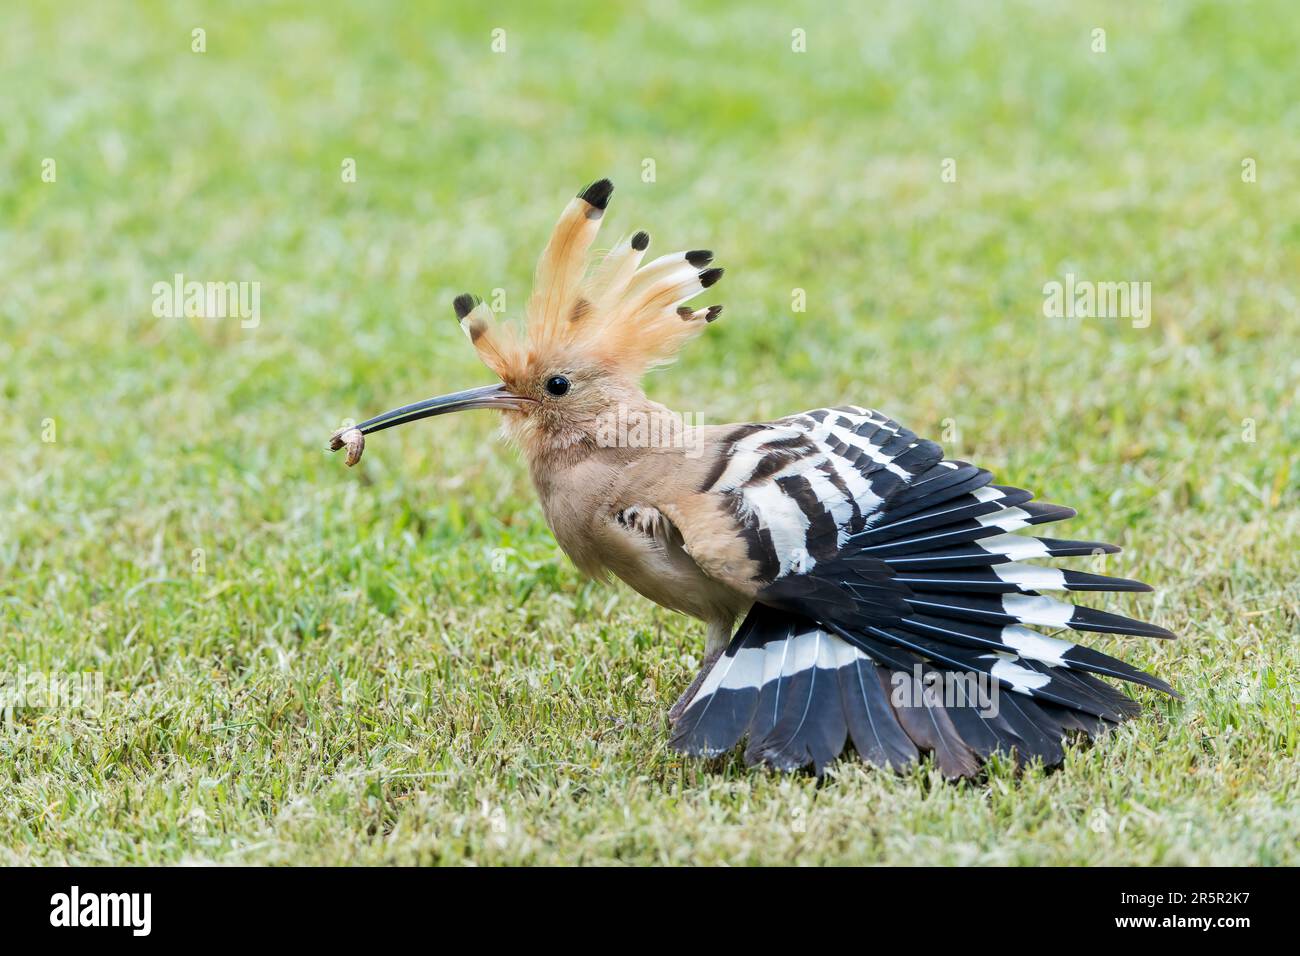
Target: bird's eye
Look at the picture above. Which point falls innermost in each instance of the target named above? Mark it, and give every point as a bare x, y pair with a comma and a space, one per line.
557, 385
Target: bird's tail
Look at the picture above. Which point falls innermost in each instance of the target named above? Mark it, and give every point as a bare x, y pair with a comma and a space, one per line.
800, 692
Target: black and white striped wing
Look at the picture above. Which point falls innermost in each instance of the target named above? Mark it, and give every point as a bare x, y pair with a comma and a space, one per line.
879, 558
802, 486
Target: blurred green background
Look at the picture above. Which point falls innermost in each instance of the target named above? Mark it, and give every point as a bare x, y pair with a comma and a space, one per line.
395, 664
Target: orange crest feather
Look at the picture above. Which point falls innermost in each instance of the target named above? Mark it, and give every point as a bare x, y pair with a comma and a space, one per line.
625, 316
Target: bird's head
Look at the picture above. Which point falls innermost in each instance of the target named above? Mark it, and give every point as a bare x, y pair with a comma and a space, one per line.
586, 341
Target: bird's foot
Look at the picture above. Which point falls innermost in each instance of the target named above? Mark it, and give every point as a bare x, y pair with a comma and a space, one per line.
675, 712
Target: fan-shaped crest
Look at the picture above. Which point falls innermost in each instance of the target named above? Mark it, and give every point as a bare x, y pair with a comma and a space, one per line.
625, 315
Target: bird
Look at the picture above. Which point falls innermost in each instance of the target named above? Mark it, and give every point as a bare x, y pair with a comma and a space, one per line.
887, 604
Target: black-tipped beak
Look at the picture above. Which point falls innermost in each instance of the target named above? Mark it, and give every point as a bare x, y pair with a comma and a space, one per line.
488, 396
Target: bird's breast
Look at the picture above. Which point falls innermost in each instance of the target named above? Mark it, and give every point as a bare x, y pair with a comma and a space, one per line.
606, 528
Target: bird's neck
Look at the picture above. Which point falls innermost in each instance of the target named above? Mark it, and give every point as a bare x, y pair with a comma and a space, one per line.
624, 429
610, 437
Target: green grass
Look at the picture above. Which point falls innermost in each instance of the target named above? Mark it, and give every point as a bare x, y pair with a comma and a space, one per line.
394, 663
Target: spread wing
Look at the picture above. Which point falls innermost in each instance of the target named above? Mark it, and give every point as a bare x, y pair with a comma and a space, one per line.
862, 534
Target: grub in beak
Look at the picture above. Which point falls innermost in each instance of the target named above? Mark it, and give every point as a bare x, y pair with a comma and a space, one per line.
353, 437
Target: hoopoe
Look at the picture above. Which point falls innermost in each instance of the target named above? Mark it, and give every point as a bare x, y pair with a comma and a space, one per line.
877, 583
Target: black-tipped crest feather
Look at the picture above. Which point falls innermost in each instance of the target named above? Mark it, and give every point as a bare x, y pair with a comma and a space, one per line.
464, 304
598, 193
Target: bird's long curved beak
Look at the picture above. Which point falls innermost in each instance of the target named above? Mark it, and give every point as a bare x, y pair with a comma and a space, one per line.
353, 437
487, 396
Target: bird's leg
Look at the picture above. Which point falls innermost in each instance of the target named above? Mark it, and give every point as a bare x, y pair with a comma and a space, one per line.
714, 645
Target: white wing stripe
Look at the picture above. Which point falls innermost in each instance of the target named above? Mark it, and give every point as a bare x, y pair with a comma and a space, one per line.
1038, 647
1036, 609
1014, 546
1021, 679
745, 456
1031, 576
836, 504
785, 521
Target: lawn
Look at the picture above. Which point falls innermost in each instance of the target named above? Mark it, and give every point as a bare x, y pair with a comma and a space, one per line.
303, 663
